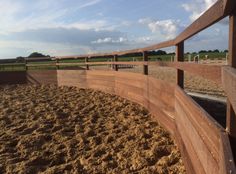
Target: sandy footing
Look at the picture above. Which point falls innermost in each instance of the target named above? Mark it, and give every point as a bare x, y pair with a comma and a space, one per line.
46, 129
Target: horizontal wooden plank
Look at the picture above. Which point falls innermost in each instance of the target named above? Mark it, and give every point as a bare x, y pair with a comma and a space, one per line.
42, 77
211, 72
100, 83
100, 78
139, 63
201, 121
130, 75
13, 77
229, 84
130, 88
188, 164
162, 118
191, 151
40, 65
131, 82
100, 73
75, 78
227, 165
208, 158
160, 85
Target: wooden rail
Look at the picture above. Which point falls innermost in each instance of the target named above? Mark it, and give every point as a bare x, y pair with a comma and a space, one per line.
211, 72
204, 144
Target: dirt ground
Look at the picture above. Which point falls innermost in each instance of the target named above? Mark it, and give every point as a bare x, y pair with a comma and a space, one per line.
46, 129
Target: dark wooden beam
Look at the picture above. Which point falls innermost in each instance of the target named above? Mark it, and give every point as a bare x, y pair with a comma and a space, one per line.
145, 59
180, 58
86, 61
57, 63
231, 116
115, 60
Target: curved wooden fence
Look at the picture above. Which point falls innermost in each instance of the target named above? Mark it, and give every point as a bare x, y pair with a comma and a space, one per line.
206, 147
204, 144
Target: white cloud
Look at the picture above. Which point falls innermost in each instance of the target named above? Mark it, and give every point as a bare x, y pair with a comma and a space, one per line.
145, 39
197, 7
167, 28
110, 40
19, 16
89, 3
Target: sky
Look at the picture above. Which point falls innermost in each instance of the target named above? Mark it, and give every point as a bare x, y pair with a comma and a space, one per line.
74, 27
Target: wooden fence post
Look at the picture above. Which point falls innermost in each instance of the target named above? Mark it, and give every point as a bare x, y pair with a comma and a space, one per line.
86, 61
57, 62
180, 58
231, 116
145, 59
26, 67
115, 60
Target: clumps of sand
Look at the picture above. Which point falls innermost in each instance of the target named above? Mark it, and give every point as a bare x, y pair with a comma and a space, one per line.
46, 129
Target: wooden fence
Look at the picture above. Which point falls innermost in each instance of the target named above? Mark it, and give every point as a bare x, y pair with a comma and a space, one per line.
206, 147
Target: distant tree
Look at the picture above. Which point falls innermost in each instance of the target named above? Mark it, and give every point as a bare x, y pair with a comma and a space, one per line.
160, 52
202, 51
36, 54
20, 59
226, 51
194, 53
209, 51
216, 51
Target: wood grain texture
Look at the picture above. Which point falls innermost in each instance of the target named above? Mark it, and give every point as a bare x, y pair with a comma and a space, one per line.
188, 129
229, 85
201, 120
203, 132
13, 77
231, 111
180, 58
194, 160
188, 164
211, 72
227, 165
42, 77
71, 78
145, 59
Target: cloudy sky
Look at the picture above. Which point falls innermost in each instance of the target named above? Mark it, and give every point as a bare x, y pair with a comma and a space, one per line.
73, 27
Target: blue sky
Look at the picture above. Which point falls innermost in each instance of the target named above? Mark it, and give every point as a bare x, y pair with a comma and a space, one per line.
73, 27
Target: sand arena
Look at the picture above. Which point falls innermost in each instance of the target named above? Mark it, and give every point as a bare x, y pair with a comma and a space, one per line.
50, 129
